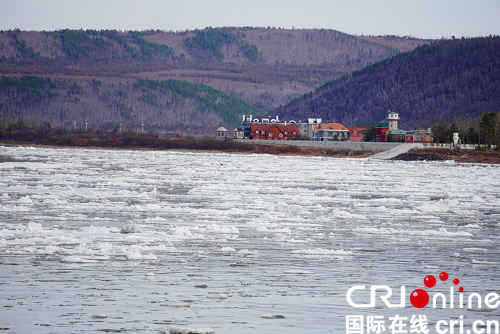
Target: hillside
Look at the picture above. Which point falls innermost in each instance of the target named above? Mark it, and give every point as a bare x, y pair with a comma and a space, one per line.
161, 105
265, 67
448, 79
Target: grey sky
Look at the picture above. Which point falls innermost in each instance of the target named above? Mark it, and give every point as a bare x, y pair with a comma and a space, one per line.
418, 18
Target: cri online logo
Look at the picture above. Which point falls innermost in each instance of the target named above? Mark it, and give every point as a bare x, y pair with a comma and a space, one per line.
419, 298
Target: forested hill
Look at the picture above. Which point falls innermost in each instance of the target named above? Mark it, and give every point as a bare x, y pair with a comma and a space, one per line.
265, 67
168, 105
448, 79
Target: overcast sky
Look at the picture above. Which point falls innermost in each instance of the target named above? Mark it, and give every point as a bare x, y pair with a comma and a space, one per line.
418, 18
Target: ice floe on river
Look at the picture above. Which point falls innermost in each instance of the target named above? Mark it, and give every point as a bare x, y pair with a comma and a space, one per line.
200, 242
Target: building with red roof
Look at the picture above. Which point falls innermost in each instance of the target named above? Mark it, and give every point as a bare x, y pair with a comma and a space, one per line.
273, 131
331, 132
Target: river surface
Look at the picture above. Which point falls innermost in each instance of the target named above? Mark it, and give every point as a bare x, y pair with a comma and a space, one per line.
151, 242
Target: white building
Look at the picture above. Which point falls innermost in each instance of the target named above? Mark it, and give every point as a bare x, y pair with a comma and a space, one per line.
238, 133
307, 128
331, 132
221, 133
392, 119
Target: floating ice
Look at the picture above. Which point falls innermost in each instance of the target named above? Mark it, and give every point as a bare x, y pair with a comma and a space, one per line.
286, 222
475, 250
25, 200
248, 253
228, 250
214, 228
187, 330
32, 227
282, 230
77, 259
485, 263
476, 198
346, 215
442, 232
321, 251
135, 255
270, 316
183, 232
472, 226
95, 229
221, 296
283, 207
130, 228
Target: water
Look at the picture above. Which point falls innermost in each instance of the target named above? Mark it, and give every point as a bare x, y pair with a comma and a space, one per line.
234, 243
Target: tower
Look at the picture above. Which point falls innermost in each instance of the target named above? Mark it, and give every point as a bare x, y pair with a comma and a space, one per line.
392, 119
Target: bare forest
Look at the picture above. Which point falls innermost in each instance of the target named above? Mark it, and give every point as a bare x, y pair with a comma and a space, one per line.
93, 74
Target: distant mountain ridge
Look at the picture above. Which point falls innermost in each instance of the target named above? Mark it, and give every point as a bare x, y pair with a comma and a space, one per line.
264, 67
278, 64
448, 79
233, 45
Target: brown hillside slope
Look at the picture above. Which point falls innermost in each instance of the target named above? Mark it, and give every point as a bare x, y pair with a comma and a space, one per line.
281, 64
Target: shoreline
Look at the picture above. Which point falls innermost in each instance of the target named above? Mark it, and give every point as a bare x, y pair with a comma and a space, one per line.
200, 145
209, 145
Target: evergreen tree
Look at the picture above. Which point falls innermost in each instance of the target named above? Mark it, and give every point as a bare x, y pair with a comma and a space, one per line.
488, 125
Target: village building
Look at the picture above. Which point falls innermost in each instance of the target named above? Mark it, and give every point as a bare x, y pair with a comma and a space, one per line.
331, 132
419, 136
307, 128
238, 133
274, 131
221, 133
382, 132
269, 128
396, 136
358, 132
392, 120
389, 131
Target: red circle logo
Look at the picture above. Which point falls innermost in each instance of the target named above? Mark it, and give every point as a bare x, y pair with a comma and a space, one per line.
430, 281
419, 298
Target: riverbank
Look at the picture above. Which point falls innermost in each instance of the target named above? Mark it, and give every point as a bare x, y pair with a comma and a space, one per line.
194, 144
443, 154
150, 142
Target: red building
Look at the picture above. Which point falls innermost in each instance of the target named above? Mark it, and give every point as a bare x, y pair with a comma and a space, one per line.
419, 136
274, 131
358, 132
382, 130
